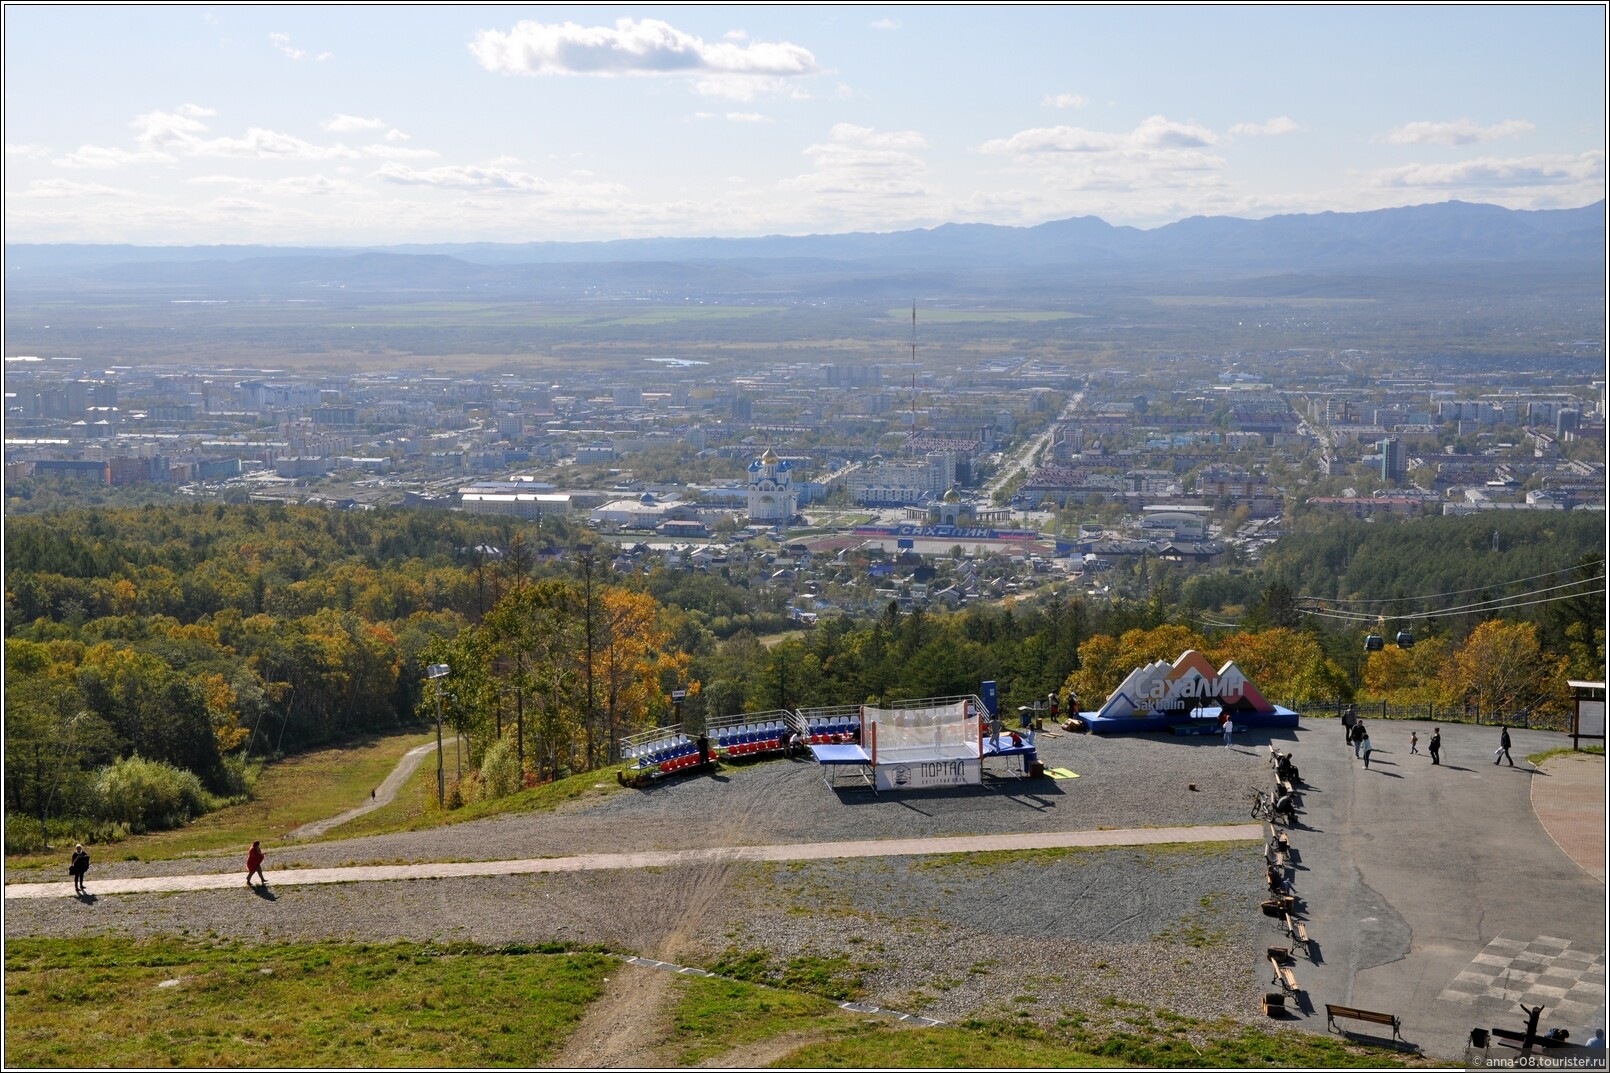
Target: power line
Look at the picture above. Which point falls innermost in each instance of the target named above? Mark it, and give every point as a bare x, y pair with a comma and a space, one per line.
1597, 563
1357, 616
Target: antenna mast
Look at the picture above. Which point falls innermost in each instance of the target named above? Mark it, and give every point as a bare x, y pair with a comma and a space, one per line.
913, 365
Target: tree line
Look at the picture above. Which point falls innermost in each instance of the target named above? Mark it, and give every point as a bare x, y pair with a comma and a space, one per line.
205, 637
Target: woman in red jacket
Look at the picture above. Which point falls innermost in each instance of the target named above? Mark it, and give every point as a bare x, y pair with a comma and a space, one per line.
254, 863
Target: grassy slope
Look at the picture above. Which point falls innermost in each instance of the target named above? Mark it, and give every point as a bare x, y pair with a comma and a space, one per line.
109, 1001
106, 1002
297, 790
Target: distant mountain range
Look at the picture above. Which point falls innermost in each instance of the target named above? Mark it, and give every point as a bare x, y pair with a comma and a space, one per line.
1437, 240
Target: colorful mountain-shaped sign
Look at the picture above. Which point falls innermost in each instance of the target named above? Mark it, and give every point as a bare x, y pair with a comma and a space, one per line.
1188, 683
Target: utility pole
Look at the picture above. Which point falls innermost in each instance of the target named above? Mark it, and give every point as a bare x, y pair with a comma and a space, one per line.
436, 672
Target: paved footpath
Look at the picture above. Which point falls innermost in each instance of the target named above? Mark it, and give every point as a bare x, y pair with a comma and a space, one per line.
384, 793
1146, 836
1570, 805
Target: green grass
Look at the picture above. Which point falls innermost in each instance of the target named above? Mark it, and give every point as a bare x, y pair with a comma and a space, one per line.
294, 791
415, 806
1536, 759
967, 316
836, 977
1160, 853
1133, 1036
97, 1002
711, 1016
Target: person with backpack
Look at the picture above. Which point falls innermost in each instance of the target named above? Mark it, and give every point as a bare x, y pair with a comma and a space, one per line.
79, 868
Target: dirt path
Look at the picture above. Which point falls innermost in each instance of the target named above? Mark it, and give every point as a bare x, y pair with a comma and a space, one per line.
762, 1054
629, 1025
383, 795
625, 1027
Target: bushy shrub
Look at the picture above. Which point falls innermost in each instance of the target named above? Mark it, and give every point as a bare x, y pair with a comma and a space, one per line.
240, 778
24, 835
148, 795
500, 770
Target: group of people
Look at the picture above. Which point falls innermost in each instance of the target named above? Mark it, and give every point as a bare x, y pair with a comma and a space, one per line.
78, 866
1359, 739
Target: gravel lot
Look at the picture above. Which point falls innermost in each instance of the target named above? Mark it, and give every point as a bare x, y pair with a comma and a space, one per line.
946, 937
1126, 781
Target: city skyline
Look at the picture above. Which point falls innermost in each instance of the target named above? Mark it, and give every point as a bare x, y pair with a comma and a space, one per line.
316, 126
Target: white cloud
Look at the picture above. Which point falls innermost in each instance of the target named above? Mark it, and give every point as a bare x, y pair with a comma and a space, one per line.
736, 35
341, 123
162, 137
860, 175
630, 47
1065, 100
283, 43
1159, 170
885, 24
849, 133
1277, 125
748, 87
748, 117
1583, 169
395, 135
398, 152
1456, 132
27, 152
67, 188
464, 177
97, 156
1155, 133
293, 186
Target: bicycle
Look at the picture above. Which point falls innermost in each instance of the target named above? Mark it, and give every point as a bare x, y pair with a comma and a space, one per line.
1263, 806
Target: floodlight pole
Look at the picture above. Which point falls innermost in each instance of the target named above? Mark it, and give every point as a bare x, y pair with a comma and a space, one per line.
435, 672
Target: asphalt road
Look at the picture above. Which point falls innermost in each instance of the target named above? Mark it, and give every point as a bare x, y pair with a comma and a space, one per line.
1411, 872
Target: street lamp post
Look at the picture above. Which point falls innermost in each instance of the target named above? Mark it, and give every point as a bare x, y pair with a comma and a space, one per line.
435, 672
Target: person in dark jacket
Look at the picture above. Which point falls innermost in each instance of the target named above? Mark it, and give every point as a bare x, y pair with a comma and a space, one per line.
1503, 747
1436, 745
78, 868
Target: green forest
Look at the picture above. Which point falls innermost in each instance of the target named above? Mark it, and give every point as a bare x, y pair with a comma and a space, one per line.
156, 656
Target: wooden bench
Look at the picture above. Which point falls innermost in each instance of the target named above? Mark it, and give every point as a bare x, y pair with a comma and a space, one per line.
1299, 934
1332, 1012
1284, 976
1274, 1004
1279, 905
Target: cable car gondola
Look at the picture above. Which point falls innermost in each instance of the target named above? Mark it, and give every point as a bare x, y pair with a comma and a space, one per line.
1374, 643
1405, 639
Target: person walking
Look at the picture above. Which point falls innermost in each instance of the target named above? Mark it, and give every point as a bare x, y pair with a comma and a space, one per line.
1359, 734
79, 868
1229, 728
1502, 752
1435, 745
1414, 743
254, 863
1349, 717
1365, 747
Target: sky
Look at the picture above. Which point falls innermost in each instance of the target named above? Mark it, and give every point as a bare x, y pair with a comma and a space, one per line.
328, 125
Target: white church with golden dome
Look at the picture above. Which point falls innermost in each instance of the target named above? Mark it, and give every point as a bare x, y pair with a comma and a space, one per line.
772, 496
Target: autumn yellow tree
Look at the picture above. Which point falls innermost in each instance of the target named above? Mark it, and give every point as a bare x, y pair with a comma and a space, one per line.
1105, 662
1408, 676
1285, 665
1503, 670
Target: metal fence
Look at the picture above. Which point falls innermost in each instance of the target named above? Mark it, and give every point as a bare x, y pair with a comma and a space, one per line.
1439, 713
